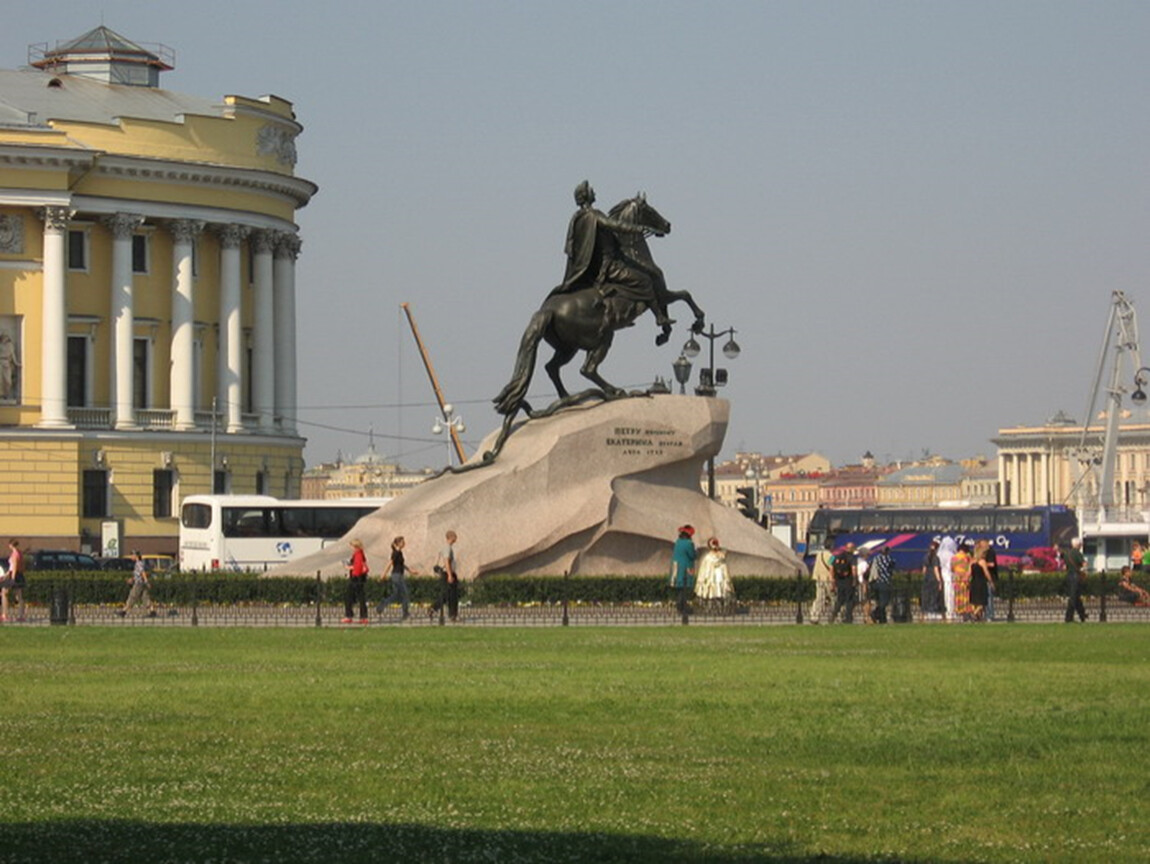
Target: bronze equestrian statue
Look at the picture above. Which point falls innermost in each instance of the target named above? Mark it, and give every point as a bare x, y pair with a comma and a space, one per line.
611, 280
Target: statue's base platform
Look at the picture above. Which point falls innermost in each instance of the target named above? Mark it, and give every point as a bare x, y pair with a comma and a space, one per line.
594, 490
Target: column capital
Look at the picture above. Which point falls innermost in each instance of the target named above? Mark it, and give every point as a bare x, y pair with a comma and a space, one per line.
186, 230
232, 234
123, 224
288, 245
55, 217
264, 239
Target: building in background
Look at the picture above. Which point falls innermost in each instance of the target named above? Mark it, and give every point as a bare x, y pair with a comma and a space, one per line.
1040, 465
369, 475
147, 296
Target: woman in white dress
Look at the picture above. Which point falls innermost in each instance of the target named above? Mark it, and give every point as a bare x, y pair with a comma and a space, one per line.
712, 580
946, 552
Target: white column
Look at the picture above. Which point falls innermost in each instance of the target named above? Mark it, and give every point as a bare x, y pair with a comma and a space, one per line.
287, 250
54, 315
263, 327
231, 333
122, 226
183, 400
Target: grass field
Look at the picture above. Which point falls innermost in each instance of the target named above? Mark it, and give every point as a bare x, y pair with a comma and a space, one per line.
993, 743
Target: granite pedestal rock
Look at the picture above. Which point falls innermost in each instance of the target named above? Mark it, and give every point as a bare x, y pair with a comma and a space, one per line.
594, 490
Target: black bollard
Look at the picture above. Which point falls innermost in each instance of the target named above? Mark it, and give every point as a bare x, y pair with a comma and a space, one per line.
195, 602
1010, 598
60, 604
798, 596
318, 599
1102, 600
566, 593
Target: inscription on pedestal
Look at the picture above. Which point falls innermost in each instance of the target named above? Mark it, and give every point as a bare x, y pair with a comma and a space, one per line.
644, 440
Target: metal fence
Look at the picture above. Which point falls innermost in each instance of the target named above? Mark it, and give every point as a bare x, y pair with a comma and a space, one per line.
256, 602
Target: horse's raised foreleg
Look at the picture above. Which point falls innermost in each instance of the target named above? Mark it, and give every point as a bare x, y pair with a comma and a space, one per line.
685, 296
561, 358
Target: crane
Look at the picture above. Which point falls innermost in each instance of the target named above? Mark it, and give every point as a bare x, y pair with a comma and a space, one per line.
1097, 450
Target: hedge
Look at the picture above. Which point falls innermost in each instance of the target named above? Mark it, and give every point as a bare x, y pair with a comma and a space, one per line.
228, 589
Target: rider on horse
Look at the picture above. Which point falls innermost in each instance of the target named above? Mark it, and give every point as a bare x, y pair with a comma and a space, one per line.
595, 259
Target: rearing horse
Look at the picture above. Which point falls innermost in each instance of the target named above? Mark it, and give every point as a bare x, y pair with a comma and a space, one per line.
584, 320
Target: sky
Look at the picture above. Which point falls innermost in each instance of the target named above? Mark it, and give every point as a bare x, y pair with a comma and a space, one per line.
913, 214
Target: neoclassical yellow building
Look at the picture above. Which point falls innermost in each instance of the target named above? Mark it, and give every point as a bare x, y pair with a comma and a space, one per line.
147, 296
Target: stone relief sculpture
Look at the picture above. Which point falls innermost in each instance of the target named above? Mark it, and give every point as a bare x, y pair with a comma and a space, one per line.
9, 359
278, 142
11, 234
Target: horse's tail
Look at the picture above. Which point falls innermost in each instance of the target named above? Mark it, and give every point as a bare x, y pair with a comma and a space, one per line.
511, 397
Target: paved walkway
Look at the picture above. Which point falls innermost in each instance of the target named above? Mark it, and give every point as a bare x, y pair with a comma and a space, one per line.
575, 615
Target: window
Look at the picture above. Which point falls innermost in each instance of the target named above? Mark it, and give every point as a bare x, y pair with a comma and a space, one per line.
873, 521
220, 483
95, 492
261, 482
77, 371
977, 523
77, 250
139, 253
251, 522
197, 516
248, 395
163, 484
141, 371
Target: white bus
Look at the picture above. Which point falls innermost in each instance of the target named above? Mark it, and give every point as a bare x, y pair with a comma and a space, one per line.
256, 532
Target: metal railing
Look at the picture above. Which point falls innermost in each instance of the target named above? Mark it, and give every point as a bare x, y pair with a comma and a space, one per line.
252, 601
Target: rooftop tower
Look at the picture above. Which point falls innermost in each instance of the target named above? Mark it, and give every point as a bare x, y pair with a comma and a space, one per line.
104, 55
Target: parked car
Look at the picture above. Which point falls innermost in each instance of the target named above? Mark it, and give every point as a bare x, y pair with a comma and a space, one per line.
120, 564
57, 559
156, 564
160, 564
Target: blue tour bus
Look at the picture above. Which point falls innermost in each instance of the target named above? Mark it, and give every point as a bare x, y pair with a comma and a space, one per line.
1022, 536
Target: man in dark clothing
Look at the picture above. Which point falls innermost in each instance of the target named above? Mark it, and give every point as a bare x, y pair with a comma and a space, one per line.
1075, 577
594, 258
844, 571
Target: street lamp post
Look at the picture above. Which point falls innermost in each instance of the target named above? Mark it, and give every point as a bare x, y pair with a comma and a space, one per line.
682, 370
710, 378
452, 424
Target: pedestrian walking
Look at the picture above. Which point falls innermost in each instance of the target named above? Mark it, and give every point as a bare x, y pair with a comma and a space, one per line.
882, 583
823, 577
1075, 579
13, 582
397, 570
449, 579
683, 555
141, 583
357, 573
845, 584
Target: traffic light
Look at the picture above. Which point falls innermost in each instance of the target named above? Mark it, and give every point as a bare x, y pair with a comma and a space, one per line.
745, 501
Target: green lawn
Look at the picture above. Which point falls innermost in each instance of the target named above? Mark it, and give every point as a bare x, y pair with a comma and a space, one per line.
919, 743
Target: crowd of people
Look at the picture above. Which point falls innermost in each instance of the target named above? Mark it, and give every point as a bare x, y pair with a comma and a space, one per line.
851, 578
959, 581
397, 570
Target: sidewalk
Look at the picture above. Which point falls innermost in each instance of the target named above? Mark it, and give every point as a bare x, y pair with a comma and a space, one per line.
576, 615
